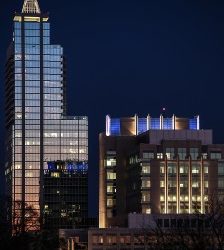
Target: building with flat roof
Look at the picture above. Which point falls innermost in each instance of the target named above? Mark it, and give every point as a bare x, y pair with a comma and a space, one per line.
157, 166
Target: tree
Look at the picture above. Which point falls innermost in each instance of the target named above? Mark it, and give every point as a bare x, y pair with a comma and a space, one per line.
30, 222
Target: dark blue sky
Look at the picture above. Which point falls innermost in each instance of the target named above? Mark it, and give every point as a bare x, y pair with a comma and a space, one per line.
127, 57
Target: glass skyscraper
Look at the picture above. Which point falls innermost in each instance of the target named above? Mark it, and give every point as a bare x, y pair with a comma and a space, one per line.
38, 130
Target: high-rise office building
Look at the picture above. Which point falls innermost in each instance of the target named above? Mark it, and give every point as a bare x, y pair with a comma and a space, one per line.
38, 130
157, 166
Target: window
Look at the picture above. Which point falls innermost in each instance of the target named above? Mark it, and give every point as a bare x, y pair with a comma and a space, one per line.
221, 168
183, 168
55, 175
182, 152
133, 159
172, 183
172, 168
195, 184
170, 153
146, 169
148, 155
111, 161
111, 176
215, 155
194, 153
205, 156
110, 188
206, 168
221, 183
196, 198
162, 184
184, 184
110, 202
145, 197
162, 168
196, 169
145, 183
172, 198
162, 198
159, 155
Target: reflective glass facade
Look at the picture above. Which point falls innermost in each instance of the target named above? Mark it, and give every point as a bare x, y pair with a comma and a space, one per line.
38, 130
65, 196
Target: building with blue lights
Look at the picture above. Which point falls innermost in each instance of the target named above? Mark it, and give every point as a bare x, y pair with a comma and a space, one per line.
157, 166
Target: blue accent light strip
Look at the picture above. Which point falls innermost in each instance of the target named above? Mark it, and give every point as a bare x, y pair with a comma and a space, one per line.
71, 167
142, 125
115, 127
168, 123
193, 124
155, 123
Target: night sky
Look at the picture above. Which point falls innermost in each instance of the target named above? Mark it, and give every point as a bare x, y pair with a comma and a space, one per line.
127, 57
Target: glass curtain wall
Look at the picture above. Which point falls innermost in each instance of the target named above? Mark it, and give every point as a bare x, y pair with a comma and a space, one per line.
39, 131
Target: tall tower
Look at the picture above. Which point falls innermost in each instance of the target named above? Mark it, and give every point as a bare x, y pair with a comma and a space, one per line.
38, 130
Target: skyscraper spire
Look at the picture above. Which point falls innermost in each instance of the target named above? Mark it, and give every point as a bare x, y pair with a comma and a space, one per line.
31, 6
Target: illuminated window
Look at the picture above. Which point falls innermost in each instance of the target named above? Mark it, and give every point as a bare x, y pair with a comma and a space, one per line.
111, 162
110, 202
196, 169
159, 155
18, 166
146, 169
205, 156
172, 198
162, 198
170, 153
111, 176
184, 184
145, 197
162, 169
110, 188
206, 169
196, 198
148, 211
55, 175
162, 184
145, 183
195, 184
